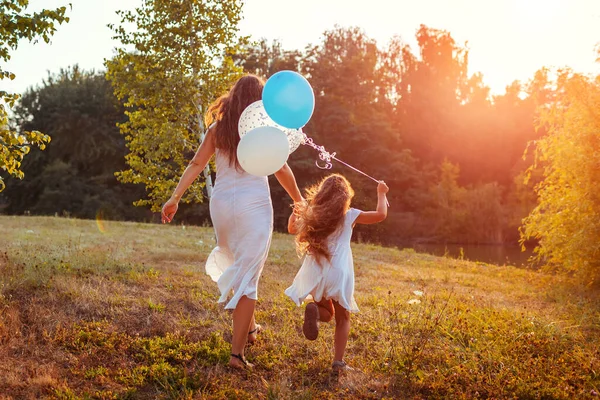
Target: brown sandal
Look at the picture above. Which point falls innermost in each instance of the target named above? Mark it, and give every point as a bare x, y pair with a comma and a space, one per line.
311, 324
340, 366
256, 331
245, 363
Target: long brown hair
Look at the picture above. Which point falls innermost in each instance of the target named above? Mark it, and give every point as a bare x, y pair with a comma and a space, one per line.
322, 214
226, 111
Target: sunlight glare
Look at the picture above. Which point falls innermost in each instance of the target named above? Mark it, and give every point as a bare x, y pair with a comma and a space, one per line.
100, 221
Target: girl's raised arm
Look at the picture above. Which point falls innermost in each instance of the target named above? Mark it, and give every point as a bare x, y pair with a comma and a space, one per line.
373, 217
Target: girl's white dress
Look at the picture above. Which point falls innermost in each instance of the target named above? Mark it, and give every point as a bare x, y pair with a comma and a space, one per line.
242, 216
332, 279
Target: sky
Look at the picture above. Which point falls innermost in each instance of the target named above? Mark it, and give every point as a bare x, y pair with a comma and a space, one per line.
507, 39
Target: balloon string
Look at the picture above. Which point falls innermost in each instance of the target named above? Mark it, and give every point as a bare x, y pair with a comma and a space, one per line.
324, 155
356, 169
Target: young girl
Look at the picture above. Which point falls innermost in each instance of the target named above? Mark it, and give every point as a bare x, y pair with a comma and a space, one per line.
323, 228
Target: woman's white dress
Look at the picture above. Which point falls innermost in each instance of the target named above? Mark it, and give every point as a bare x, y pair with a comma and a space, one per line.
332, 279
242, 216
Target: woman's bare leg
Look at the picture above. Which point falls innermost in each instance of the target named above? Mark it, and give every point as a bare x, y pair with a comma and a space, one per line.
243, 316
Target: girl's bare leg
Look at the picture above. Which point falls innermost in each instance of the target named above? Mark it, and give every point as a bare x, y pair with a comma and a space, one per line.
326, 310
342, 330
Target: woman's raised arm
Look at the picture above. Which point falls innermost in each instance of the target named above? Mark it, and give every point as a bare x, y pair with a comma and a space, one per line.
287, 180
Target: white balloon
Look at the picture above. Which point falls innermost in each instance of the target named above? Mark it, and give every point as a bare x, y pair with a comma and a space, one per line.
295, 138
263, 151
255, 116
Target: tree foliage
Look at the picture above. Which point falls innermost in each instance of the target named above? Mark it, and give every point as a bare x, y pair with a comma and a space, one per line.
264, 59
17, 24
418, 120
75, 174
175, 61
413, 117
566, 220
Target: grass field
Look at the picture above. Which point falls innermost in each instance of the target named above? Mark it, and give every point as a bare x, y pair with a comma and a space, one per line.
124, 310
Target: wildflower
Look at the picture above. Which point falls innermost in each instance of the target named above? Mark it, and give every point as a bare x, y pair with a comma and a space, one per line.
418, 293
414, 301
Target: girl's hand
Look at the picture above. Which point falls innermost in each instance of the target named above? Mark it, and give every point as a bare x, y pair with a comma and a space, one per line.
169, 210
382, 188
373, 217
292, 223
294, 216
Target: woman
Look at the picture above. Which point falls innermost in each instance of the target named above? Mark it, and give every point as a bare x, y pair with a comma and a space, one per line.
240, 209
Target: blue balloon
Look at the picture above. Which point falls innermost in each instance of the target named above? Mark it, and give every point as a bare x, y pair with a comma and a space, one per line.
288, 99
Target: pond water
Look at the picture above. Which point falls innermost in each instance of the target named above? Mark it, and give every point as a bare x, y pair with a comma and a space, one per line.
491, 254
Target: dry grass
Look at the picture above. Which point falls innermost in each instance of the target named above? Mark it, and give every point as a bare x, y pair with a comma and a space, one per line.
129, 313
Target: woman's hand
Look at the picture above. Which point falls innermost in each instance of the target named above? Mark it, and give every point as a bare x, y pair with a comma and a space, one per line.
169, 210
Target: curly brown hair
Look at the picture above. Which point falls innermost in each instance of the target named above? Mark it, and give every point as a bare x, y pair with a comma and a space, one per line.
226, 111
323, 212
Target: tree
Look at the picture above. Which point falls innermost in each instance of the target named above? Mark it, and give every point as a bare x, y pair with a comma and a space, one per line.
16, 24
265, 60
378, 108
75, 174
353, 118
447, 214
171, 66
352, 113
566, 220
434, 88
